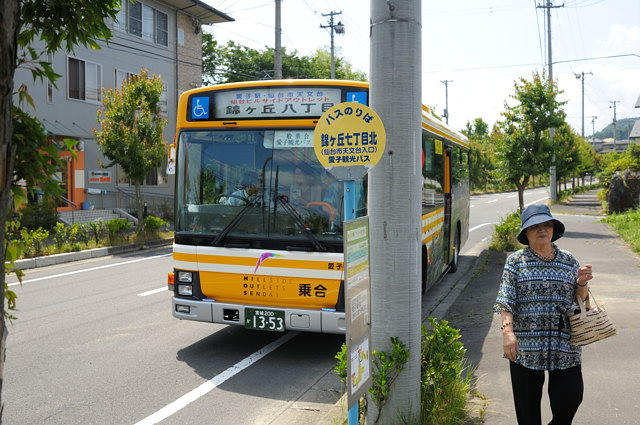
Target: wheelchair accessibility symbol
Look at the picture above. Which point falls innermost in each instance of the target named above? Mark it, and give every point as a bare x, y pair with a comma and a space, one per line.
200, 107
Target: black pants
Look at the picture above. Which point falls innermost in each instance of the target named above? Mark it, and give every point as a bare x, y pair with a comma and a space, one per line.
565, 394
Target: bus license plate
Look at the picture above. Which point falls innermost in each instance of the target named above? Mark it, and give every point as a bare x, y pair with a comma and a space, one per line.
264, 320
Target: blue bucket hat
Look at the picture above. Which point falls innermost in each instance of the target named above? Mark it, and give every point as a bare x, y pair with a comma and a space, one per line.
536, 214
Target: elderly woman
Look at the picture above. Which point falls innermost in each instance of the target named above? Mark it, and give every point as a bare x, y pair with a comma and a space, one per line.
538, 287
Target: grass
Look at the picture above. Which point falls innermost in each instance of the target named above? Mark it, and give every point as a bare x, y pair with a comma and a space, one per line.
627, 226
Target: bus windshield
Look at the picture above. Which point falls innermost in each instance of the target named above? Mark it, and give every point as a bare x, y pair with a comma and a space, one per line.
258, 189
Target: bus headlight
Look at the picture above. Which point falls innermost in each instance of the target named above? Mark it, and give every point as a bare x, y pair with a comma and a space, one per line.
185, 277
185, 290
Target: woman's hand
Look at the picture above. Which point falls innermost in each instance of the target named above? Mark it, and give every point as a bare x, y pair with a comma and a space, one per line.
509, 344
585, 274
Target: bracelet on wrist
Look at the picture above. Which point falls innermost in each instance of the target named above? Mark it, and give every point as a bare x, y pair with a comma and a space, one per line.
504, 325
582, 285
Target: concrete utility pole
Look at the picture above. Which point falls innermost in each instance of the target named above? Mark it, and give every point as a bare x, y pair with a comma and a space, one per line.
581, 76
395, 194
339, 29
446, 99
593, 128
277, 55
615, 122
553, 194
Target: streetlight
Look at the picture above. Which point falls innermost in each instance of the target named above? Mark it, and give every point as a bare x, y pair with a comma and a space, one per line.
339, 29
581, 76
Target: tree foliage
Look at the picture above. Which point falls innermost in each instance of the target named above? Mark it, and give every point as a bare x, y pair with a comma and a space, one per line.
234, 62
37, 156
482, 155
58, 24
131, 126
524, 147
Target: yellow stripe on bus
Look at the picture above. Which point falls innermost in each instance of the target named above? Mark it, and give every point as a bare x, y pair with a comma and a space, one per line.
249, 261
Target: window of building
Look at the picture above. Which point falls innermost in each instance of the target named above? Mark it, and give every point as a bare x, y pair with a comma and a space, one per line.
155, 177
122, 76
84, 80
147, 22
162, 28
143, 21
135, 19
121, 18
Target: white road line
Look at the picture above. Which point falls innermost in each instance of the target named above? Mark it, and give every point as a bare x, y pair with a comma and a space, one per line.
203, 389
153, 291
491, 201
536, 201
90, 269
480, 225
511, 196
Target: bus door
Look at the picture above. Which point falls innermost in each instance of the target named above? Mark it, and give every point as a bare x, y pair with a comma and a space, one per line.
447, 207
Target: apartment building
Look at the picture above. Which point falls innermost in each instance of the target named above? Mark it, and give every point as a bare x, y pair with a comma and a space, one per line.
162, 36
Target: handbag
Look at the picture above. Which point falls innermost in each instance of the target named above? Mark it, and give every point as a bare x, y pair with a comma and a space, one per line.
590, 324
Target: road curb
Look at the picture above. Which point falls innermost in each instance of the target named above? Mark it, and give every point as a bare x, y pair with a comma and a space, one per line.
68, 257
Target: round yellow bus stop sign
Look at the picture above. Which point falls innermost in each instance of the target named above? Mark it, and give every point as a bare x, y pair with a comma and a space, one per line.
349, 140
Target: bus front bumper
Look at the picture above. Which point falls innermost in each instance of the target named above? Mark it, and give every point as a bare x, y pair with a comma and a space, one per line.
321, 321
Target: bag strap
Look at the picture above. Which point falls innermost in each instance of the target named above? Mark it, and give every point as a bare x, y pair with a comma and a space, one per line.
581, 303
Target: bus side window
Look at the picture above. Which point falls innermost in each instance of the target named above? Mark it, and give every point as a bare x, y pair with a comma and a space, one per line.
432, 176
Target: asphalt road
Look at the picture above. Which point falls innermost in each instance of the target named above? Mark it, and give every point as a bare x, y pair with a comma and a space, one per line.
95, 343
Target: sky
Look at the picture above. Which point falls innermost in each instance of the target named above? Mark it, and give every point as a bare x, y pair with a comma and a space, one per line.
481, 47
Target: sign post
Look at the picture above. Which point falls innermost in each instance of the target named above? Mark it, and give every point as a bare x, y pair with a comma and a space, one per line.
349, 140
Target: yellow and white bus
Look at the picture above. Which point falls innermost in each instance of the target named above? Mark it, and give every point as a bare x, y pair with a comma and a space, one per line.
258, 220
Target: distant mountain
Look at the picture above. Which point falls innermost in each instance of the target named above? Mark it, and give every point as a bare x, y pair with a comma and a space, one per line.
623, 128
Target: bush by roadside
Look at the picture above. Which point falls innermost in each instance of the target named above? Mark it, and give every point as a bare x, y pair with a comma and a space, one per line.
505, 234
60, 239
446, 376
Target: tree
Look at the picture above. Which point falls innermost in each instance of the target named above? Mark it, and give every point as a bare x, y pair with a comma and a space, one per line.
565, 148
131, 126
59, 24
234, 62
524, 147
482, 157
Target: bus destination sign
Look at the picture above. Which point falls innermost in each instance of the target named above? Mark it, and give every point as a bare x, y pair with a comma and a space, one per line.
273, 102
349, 140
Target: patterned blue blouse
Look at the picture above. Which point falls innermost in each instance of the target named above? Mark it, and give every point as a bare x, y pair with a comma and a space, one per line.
539, 293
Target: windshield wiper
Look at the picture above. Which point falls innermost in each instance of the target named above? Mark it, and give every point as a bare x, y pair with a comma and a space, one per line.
236, 220
284, 202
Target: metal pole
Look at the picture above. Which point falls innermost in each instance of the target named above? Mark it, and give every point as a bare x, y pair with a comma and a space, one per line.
446, 99
581, 76
277, 62
614, 102
395, 198
553, 195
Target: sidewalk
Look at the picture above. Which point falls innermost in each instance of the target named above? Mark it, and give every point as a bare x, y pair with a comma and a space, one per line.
611, 368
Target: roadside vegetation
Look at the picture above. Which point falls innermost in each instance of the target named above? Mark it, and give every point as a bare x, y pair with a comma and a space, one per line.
446, 377
43, 235
627, 225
